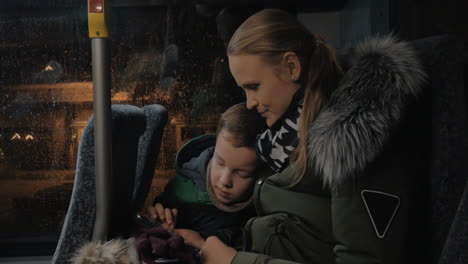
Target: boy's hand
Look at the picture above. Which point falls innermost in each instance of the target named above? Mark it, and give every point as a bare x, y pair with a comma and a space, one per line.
191, 237
167, 217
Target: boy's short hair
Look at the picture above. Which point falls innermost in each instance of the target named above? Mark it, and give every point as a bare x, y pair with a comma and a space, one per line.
243, 124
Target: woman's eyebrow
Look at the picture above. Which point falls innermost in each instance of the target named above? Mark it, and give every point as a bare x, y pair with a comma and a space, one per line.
245, 85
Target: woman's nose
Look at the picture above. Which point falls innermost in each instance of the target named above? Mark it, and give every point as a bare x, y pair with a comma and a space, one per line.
252, 101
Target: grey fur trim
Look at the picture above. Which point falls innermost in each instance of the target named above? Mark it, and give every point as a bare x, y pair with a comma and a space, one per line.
352, 128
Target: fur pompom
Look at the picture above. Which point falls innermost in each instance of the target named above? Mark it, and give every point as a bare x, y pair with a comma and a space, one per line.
116, 251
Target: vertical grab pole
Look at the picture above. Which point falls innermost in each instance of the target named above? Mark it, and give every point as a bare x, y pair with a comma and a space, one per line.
102, 116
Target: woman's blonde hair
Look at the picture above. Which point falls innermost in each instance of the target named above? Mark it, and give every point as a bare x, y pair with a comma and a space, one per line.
272, 32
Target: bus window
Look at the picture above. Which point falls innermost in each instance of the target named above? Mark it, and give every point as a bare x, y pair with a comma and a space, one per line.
159, 54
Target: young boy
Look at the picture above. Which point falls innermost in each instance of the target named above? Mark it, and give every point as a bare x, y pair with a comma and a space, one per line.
211, 194
212, 189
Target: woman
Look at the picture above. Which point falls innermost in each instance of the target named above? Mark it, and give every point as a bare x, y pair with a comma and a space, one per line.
343, 183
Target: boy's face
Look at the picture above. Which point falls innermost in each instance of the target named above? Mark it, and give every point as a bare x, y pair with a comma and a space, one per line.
231, 170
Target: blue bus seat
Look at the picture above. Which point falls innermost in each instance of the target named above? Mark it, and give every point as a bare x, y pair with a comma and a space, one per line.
136, 139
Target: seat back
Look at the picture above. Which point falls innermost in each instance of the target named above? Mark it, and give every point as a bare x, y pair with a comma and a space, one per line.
148, 151
133, 136
443, 60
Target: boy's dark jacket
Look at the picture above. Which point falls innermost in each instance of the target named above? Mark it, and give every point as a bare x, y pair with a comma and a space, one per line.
188, 192
357, 203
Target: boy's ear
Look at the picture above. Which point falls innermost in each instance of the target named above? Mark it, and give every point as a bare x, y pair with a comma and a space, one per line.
293, 65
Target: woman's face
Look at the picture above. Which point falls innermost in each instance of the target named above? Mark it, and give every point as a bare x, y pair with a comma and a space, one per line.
268, 88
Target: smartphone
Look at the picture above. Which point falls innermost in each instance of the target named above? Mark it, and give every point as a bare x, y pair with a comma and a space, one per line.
146, 222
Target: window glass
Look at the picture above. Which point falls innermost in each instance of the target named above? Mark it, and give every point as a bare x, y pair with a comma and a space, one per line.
159, 54
173, 55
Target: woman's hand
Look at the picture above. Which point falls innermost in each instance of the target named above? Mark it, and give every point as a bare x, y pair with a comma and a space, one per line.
167, 217
191, 237
214, 251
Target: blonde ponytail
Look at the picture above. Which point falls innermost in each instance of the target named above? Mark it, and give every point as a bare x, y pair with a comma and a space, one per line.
324, 74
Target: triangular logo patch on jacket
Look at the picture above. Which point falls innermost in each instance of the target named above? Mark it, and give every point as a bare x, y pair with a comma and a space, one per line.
381, 208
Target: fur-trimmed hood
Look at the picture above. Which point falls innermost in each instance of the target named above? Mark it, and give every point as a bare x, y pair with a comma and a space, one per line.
352, 128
